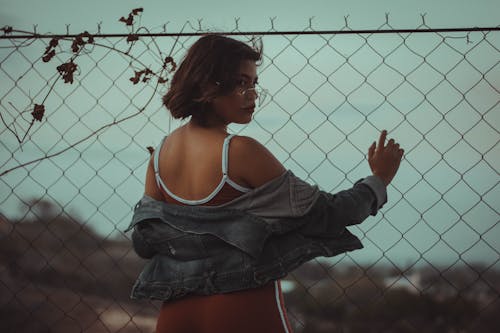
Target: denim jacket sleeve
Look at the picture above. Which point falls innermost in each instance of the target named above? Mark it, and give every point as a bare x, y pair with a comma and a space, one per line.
334, 212
344, 208
366, 197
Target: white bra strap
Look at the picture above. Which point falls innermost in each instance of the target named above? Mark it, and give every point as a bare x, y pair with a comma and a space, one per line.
225, 157
237, 186
225, 150
156, 158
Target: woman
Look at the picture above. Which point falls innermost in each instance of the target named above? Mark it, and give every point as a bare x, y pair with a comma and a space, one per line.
201, 164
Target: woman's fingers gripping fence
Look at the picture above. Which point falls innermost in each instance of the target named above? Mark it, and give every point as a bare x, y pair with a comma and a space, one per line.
384, 159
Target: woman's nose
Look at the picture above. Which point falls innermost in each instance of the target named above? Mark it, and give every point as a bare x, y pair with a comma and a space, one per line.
253, 93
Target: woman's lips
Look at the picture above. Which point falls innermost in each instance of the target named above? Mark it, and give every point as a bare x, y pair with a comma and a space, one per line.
250, 108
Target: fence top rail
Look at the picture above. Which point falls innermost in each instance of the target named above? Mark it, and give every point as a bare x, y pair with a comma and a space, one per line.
261, 33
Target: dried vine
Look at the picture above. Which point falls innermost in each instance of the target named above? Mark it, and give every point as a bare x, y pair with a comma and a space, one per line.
68, 70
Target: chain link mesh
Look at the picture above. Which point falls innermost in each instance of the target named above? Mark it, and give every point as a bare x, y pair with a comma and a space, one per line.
69, 182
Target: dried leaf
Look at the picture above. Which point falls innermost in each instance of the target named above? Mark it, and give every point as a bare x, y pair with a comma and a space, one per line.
135, 80
53, 42
78, 41
86, 34
49, 50
150, 149
137, 11
47, 57
137, 77
170, 60
128, 21
74, 47
67, 70
90, 38
139, 74
132, 37
38, 112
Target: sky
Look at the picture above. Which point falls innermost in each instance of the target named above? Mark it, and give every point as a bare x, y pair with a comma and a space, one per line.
441, 230
53, 15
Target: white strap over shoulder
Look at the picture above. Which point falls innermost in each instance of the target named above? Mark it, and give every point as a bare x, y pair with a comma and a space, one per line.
156, 159
225, 152
225, 178
161, 184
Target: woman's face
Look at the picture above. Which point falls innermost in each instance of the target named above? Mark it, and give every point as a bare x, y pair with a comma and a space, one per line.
235, 107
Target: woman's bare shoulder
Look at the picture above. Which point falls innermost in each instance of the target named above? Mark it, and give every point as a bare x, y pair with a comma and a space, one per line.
256, 165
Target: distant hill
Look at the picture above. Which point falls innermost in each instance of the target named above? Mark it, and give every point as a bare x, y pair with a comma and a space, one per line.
58, 275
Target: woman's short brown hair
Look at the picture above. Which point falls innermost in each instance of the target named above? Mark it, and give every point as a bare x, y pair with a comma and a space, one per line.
212, 58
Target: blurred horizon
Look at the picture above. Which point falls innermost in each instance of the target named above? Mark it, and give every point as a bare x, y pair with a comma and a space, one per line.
68, 276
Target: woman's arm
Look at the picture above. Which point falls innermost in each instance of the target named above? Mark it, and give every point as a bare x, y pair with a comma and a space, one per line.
257, 165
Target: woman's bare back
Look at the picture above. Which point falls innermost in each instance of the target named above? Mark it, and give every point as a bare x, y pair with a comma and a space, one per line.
190, 163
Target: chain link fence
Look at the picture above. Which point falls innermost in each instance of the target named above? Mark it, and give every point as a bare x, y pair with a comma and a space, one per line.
76, 124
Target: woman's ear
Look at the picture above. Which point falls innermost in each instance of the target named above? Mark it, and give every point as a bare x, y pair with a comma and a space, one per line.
214, 101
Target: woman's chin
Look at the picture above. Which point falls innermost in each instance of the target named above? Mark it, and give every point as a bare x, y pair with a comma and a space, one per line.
243, 120
249, 119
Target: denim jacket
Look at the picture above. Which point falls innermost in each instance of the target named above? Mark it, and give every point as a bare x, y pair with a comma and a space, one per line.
256, 238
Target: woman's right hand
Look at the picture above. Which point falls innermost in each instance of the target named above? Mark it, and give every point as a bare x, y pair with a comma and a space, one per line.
384, 160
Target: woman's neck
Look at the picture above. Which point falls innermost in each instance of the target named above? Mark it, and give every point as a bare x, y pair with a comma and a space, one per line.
209, 124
